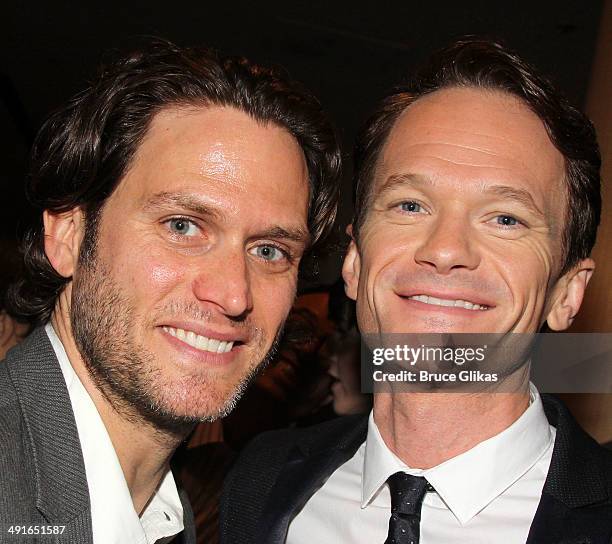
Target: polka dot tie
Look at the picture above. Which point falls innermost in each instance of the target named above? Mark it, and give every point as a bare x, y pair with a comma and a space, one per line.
407, 493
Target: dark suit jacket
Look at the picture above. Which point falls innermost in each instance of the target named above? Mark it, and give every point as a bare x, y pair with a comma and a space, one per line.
42, 473
279, 471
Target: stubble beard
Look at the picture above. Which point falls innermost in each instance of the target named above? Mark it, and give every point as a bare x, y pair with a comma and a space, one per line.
127, 373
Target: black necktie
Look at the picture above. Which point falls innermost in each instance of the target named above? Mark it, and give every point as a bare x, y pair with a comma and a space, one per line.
407, 494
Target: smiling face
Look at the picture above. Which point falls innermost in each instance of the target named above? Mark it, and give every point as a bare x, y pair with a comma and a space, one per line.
464, 229
182, 292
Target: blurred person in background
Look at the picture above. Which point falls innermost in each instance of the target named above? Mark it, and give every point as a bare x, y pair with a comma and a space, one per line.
341, 353
12, 331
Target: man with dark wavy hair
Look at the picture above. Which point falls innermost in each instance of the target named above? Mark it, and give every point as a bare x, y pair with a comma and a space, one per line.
178, 194
477, 205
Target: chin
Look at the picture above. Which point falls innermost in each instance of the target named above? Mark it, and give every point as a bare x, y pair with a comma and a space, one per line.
177, 408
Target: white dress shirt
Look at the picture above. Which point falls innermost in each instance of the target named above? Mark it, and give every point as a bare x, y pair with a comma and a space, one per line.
113, 517
488, 494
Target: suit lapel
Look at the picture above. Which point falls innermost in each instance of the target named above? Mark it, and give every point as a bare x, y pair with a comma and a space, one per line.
309, 465
555, 523
188, 535
575, 504
61, 484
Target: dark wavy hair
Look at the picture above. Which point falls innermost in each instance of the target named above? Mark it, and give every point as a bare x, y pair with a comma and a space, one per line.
485, 64
84, 149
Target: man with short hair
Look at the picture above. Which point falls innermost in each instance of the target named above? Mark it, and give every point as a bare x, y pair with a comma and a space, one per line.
477, 204
178, 193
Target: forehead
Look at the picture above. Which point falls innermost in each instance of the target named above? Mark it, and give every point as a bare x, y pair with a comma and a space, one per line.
463, 135
222, 156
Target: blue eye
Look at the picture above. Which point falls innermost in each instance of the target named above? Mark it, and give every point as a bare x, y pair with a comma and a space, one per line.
507, 220
182, 226
411, 207
269, 253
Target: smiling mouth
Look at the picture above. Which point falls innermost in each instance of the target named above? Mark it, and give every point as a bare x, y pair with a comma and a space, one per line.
449, 303
200, 342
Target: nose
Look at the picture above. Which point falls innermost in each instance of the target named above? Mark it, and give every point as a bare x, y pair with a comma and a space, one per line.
448, 247
225, 282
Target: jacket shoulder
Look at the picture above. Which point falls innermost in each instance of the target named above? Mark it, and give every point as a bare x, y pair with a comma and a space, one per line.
17, 486
580, 473
253, 476
273, 447
12, 426
11, 419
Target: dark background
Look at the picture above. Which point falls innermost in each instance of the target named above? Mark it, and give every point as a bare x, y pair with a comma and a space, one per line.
348, 53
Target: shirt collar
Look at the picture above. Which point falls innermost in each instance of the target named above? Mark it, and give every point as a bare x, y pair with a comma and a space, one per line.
114, 519
470, 481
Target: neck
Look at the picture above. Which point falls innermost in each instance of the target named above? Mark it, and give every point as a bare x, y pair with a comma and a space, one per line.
143, 451
426, 429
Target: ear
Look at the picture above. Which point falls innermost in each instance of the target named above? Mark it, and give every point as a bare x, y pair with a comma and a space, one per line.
568, 294
63, 234
351, 267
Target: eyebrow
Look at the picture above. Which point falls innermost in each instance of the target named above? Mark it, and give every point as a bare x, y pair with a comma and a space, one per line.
182, 200
507, 192
297, 234
518, 195
193, 204
399, 180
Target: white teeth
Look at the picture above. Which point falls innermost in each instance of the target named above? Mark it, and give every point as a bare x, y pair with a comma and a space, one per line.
440, 301
447, 302
200, 342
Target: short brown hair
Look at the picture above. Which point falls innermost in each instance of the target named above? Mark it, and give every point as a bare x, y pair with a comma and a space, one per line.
487, 64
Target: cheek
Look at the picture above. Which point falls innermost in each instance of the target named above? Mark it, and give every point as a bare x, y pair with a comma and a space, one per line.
162, 275
387, 255
526, 267
149, 273
273, 298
